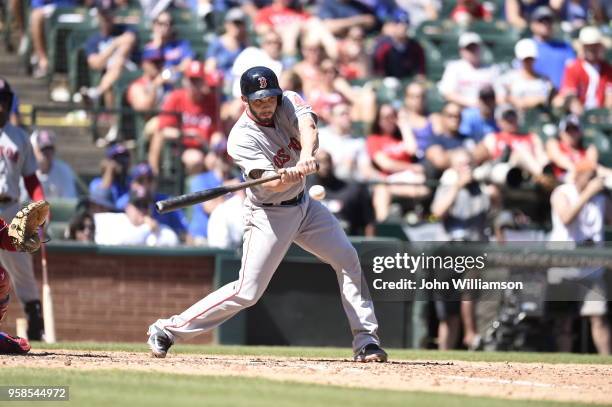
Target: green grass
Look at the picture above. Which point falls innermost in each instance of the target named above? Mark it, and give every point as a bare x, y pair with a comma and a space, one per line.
122, 388
402, 354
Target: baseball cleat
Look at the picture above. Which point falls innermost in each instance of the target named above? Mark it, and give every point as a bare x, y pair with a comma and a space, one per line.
159, 342
371, 353
13, 345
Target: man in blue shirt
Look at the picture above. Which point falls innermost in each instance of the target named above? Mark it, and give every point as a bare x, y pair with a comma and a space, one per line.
477, 122
142, 178
108, 51
113, 182
553, 54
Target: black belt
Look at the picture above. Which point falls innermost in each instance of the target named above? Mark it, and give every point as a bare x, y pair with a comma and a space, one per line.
290, 202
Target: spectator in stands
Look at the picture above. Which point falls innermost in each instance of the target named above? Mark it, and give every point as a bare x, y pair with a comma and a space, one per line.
523, 88
82, 227
177, 53
269, 55
223, 50
395, 53
414, 113
580, 212
587, 81
463, 78
114, 180
309, 68
226, 223
568, 148
219, 173
143, 179
353, 60
524, 150
421, 10
348, 153
446, 138
15, 116
40, 11
56, 177
575, 13
290, 80
392, 148
134, 226
108, 51
147, 92
332, 89
553, 54
467, 11
199, 126
463, 205
477, 122
339, 16
287, 18
349, 201
519, 12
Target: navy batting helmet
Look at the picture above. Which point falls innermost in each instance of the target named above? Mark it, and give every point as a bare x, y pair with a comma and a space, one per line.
259, 82
6, 93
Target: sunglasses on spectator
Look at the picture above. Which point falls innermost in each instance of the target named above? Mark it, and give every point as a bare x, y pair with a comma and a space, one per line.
545, 20
452, 115
163, 23
273, 41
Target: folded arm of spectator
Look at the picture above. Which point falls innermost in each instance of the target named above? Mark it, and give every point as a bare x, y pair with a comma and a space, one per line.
562, 160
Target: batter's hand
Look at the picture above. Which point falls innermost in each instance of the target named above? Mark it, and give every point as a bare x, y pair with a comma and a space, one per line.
290, 175
307, 166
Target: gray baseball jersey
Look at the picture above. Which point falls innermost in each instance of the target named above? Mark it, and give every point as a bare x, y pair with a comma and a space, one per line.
270, 230
16, 160
257, 147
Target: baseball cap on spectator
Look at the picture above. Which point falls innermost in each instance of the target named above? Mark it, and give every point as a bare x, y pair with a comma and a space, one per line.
43, 139
235, 15
115, 150
141, 170
526, 48
542, 13
398, 16
590, 36
571, 120
469, 38
503, 112
195, 69
105, 7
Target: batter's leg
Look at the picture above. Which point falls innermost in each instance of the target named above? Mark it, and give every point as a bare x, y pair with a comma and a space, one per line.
322, 235
268, 235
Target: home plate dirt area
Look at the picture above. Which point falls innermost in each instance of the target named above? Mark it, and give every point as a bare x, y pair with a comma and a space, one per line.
561, 382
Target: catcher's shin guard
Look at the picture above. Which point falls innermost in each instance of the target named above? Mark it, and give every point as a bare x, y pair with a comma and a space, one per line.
5, 287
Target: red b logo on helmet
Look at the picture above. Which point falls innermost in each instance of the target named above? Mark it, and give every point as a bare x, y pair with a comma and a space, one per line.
263, 83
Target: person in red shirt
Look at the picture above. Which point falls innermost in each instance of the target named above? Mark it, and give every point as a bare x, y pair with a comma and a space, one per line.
199, 124
392, 148
468, 10
525, 150
569, 147
587, 81
285, 19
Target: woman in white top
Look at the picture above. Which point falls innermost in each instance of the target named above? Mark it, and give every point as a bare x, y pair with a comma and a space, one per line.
523, 87
579, 216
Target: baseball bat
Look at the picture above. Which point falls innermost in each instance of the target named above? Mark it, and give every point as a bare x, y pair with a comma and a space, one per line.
47, 298
182, 201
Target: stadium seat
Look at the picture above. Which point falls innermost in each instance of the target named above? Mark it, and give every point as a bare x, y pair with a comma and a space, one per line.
599, 119
62, 209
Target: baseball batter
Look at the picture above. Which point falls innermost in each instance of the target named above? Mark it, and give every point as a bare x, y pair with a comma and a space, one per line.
17, 160
277, 133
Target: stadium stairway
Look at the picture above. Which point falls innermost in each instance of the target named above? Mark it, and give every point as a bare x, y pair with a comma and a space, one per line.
75, 144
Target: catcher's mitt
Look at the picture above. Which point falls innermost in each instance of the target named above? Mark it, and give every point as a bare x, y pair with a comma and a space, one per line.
23, 229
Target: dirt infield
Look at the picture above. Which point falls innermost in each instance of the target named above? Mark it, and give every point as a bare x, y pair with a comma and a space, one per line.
560, 382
